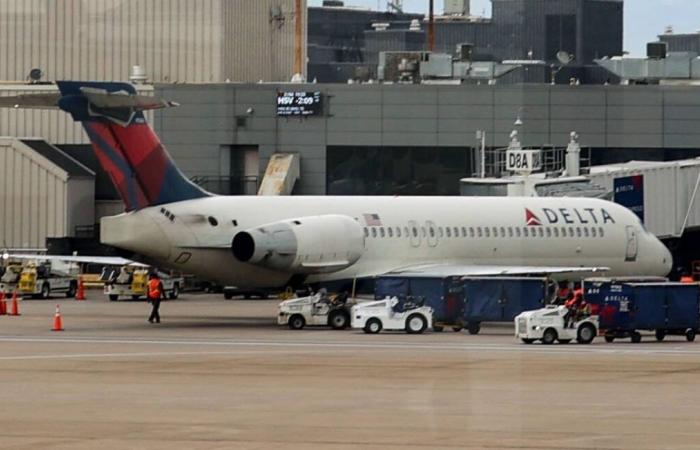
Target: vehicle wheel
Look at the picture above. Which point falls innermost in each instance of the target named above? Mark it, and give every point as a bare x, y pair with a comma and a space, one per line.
373, 326
609, 338
338, 320
585, 334
135, 297
72, 290
474, 328
228, 295
660, 335
438, 328
45, 291
456, 329
690, 335
527, 341
549, 336
416, 324
175, 293
636, 337
564, 341
296, 322
113, 297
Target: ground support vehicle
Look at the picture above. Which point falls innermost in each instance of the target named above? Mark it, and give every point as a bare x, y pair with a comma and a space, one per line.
319, 309
627, 307
391, 314
465, 302
41, 281
10, 277
550, 324
134, 284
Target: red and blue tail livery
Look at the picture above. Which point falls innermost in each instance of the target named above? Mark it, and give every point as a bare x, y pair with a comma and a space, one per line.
125, 145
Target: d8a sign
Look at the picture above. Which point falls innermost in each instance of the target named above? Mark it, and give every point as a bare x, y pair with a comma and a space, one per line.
523, 161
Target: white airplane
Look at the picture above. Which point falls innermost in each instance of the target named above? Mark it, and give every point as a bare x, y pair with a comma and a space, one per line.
259, 241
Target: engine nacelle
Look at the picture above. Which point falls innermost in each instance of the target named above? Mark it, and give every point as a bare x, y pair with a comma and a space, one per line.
314, 244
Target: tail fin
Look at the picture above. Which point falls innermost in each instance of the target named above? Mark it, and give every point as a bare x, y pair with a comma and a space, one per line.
125, 145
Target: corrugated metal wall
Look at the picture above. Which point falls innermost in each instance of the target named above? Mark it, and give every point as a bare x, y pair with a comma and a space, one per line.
32, 197
194, 41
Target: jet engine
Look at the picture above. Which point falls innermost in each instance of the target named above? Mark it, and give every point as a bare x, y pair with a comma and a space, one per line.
314, 244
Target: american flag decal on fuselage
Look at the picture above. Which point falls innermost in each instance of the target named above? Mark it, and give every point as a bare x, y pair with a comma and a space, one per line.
372, 220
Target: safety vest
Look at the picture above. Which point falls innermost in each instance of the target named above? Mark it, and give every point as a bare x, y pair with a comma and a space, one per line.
154, 288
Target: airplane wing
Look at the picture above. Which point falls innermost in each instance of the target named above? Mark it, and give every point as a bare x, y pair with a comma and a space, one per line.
105, 260
445, 270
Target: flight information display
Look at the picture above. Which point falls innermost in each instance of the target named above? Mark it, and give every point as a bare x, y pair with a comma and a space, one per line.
299, 104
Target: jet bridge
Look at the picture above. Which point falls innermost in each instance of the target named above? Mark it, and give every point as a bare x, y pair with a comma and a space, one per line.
281, 174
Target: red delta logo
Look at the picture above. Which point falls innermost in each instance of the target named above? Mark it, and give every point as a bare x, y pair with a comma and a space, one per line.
531, 219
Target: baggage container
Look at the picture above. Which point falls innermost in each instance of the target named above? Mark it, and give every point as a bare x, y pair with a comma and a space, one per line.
627, 307
465, 302
501, 299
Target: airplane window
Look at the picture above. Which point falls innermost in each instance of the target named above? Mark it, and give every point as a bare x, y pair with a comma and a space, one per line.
464, 232
415, 232
448, 232
556, 232
471, 231
487, 232
540, 231
374, 232
398, 231
601, 231
571, 231
510, 232
585, 231
495, 231
235, 223
440, 231
455, 231
549, 232
431, 230
524, 231
381, 231
478, 230
390, 231
503, 232
594, 232
563, 231
517, 231
578, 231
366, 232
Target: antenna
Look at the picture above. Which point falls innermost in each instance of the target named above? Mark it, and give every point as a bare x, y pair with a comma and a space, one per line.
35, 75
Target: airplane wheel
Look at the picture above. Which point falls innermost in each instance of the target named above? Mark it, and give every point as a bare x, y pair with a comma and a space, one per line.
296, 322
549, 336
416, 324
474, 328
373, 326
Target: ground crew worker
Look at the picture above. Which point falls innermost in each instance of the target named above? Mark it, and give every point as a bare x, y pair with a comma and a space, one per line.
575, 305
155, 293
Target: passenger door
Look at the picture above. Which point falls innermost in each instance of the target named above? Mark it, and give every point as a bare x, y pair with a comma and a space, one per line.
632, 244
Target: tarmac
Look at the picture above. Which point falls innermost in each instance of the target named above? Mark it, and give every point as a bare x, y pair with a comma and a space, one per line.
220, 374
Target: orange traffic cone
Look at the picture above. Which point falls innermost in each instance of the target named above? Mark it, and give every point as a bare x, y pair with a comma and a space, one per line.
81, 290
3, 304
15, 305
57, 321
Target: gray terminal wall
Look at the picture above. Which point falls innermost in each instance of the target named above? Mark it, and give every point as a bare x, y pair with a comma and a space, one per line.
213, 118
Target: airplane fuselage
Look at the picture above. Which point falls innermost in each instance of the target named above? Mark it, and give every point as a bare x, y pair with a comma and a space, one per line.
195, 236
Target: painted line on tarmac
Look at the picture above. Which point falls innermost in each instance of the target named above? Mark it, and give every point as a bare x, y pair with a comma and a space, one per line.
120, 355
568, 350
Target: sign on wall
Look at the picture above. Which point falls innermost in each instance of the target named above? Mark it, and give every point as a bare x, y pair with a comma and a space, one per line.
299, 103
523, 161
629, 192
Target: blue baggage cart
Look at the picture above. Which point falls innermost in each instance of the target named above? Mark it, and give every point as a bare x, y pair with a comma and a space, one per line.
625, 308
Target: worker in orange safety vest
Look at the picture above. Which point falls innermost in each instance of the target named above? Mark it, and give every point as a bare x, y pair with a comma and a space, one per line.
155, 293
